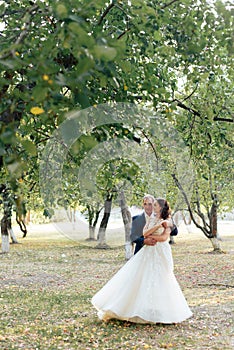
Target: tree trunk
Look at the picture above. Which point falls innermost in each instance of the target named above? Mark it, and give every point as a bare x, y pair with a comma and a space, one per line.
102, 229
90, 220
127, 220
12, 235
216, 245
102, 238
214, 217
93, 219
6, 219
5, 235
91, 233
215, 240
10, 231
209, 228
21, 214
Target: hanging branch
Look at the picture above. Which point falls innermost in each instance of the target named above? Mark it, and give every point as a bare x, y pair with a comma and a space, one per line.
169, 4
107, 10
182, 105
202, 228
219, 119
152, 146
186, 98
122, 34
196, 113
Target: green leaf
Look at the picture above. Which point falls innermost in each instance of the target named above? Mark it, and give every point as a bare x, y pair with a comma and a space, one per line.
29, 146
8, 136
82, 36
39, 93
157, 35
126, 66
2, 150
105, 52
61, 10
85, 65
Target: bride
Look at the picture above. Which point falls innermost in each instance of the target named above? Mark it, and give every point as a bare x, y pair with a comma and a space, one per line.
145, 289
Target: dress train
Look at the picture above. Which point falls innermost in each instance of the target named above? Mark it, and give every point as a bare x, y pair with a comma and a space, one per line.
144, 290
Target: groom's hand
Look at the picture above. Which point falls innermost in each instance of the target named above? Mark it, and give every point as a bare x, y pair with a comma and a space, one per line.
150, 240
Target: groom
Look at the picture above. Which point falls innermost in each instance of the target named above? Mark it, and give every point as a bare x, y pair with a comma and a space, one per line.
138, 223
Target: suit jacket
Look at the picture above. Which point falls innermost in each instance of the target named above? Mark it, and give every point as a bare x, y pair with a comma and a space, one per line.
136, 235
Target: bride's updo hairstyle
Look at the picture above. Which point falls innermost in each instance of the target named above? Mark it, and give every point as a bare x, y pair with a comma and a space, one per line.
165, 208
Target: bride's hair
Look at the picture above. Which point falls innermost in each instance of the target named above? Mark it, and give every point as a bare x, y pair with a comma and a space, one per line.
165, 208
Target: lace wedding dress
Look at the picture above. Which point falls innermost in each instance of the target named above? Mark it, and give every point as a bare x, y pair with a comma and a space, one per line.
144, 290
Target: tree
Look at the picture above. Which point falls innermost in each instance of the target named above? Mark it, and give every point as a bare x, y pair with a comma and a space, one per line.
212, 190
127, 220
57, 57
93, 215
103, 225
6, 219
9, 202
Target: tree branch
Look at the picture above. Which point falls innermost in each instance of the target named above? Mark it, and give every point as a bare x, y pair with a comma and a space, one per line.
24, 32
186, 98
204, 230
182, 105
199, 212
219, 119
122, 34
169, 4
195, 112
152, 146
107, 10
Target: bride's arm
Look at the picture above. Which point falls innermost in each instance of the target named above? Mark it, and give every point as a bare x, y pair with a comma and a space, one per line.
151, 230
167, 223
164, 236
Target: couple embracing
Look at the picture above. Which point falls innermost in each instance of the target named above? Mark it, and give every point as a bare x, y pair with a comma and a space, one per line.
145, 289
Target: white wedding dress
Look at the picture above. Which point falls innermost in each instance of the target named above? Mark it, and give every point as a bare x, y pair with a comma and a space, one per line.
144, 290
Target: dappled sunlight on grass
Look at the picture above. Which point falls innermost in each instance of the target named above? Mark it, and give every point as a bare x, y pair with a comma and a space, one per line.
47, 285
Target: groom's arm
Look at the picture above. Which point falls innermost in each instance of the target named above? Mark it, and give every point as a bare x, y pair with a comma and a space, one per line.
139, 240
137, 231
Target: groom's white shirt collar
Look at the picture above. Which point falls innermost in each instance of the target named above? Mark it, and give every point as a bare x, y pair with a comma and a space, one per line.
147, 217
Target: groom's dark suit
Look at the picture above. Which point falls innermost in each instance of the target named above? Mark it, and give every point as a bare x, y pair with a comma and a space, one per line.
136, 235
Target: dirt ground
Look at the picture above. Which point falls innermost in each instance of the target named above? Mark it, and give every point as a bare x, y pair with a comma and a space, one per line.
47, 282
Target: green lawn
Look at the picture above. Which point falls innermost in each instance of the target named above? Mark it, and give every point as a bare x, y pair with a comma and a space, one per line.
47, 283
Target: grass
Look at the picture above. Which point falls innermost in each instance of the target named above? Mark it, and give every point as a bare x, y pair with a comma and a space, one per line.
47, 283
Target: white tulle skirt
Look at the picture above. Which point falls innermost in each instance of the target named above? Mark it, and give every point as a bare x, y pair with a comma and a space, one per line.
144, 290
